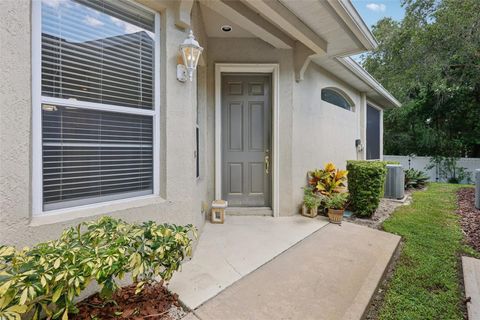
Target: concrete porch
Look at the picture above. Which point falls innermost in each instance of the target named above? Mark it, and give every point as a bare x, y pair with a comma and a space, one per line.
227, 252
284, 268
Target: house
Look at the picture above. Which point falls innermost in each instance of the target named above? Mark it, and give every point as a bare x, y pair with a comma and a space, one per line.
95, 121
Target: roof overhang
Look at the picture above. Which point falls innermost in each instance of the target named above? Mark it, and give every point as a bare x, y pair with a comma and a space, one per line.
323, 31
335, 21
376, 91
326, 27
352, 19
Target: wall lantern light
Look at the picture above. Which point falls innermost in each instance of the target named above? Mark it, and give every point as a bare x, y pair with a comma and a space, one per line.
190, 51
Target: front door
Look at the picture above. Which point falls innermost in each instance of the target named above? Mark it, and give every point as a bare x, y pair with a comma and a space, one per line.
246, 135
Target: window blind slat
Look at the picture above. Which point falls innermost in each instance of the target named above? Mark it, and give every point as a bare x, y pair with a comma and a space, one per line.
129, 86
138, 169
63, 54
58, 69
79, 118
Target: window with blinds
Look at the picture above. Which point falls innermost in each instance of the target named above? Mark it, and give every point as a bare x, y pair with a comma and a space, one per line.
97, 101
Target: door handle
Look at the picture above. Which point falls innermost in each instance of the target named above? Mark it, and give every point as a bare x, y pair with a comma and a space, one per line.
267, 164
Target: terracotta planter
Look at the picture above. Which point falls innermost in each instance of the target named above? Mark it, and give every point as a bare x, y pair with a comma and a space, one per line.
335, 216
311, 213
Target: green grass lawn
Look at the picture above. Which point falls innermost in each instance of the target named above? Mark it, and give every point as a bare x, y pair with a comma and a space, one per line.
425, 283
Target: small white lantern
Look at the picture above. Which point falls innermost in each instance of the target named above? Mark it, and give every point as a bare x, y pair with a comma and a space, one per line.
191, 51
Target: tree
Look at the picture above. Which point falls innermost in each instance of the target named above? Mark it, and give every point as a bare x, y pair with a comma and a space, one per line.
431, 62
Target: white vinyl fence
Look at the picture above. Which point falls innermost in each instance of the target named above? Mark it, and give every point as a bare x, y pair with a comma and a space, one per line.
420, 163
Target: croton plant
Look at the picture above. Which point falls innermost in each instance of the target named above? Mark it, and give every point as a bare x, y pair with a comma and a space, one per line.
328, 180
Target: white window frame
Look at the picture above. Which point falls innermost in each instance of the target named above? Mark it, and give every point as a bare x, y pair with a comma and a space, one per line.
38, 100
343, 94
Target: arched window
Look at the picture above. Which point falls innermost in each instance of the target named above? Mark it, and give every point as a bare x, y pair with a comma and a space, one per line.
334, 96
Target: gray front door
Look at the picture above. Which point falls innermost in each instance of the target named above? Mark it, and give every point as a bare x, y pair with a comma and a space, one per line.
246, 147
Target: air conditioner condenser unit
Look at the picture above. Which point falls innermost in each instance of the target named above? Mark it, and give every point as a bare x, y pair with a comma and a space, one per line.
395, 182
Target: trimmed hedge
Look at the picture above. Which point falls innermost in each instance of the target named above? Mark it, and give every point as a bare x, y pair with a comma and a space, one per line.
365, 185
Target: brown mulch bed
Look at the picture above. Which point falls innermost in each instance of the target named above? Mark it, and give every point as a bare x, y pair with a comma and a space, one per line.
383, 212
153, 303
470, 216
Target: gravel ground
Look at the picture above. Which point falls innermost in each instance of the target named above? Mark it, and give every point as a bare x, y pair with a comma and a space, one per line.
384, 210
175, 313
470, 216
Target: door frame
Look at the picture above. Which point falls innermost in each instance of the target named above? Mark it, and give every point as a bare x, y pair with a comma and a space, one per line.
267, 68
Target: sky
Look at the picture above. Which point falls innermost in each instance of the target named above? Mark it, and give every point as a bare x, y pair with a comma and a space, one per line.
374, 10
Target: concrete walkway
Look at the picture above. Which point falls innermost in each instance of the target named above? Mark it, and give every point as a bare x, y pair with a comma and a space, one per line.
227, 252
471, 277
331, 274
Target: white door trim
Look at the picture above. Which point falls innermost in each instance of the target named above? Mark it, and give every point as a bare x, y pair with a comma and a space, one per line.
270, 68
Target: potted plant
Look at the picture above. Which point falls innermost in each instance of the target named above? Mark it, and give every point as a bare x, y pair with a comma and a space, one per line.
311, 201
336, 204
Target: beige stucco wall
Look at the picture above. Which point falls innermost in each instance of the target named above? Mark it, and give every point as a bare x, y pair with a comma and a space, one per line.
322, 132
181, 193
312, 132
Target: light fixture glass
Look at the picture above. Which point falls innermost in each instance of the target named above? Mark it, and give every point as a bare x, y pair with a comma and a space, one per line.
191, 52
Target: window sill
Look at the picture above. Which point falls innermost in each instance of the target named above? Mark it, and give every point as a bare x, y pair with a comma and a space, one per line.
65, 215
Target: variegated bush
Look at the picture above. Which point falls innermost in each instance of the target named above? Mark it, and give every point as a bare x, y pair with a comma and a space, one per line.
45, 279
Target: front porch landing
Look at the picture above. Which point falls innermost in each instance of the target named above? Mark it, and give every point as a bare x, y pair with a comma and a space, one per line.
226, 253
330, 275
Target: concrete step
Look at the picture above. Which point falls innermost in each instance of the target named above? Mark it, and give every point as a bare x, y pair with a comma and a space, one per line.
249, 211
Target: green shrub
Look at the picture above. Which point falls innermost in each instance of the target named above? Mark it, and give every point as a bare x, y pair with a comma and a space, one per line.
47, 277
415, 178
365, 185
448, 169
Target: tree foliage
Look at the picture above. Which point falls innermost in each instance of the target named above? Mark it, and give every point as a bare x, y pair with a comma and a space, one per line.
431, 62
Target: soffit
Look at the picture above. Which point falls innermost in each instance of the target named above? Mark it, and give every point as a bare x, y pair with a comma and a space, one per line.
214, 21
322, 19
